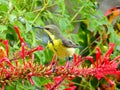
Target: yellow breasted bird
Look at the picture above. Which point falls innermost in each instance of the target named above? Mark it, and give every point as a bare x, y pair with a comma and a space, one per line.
58, 43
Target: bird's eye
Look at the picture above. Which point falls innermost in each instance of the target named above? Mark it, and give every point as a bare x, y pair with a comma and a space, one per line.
47, 28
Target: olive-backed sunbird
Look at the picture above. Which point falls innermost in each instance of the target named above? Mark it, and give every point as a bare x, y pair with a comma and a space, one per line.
58, 43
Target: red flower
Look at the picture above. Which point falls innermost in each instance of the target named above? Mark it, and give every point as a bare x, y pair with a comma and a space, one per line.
18, 33
5, 42
71, 88
100, 68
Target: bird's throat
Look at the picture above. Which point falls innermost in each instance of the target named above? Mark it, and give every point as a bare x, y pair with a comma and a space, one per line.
50, 34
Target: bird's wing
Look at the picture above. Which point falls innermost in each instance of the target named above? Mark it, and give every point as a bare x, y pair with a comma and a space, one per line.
69, 43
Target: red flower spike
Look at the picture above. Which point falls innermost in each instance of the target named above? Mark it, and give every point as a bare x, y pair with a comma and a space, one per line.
23, 50
100, 70
7, 61
34, 49
30, 65
106, 60
90, 58
79, 60
67, 64
16, 63
8, 75
32, 56
116, 58
110, 50
98, 55
3, 87
31, 81
48, 86
18, 33
39, 48
3, 71
57, 79
49, 72
30, 78
25, 66
71, 88
75, 58
99, 74
5, 42
109, 81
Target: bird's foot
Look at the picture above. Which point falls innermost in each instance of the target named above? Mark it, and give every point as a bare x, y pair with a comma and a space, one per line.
54, 65
68, 59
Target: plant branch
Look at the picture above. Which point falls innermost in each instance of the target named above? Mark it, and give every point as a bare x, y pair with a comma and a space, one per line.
76, 14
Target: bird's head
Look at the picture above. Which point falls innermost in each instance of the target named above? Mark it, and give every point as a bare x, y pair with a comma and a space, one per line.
50, 29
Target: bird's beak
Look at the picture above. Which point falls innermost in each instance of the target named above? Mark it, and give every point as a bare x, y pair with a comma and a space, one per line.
39, 27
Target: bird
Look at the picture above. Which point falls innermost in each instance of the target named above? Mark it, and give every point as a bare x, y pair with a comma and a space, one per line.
58, 43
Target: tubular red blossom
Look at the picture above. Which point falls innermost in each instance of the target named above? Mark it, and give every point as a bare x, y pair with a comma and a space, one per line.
110, 50
5, 42
30, 78
116, 58
49, 72
31, 81
30, 65
57, 79
16, 63
71, 88
109, 81
48, 86
34, 49
3, 87
67, 64
32, 57
23, 50
4, 72
106, 60
98, 55
118, 72
98, 73
7, 61
76, 60
90, 58
8, 75
18, 33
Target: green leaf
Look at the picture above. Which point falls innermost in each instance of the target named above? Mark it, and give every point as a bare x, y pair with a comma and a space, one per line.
3, 28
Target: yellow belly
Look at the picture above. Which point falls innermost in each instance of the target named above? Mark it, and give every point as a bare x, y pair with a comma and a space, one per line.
60, 50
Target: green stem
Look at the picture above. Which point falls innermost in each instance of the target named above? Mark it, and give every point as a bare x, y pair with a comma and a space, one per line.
76, 14
44, 7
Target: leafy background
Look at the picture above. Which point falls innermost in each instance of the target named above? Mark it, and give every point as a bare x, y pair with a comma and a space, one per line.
79, 20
